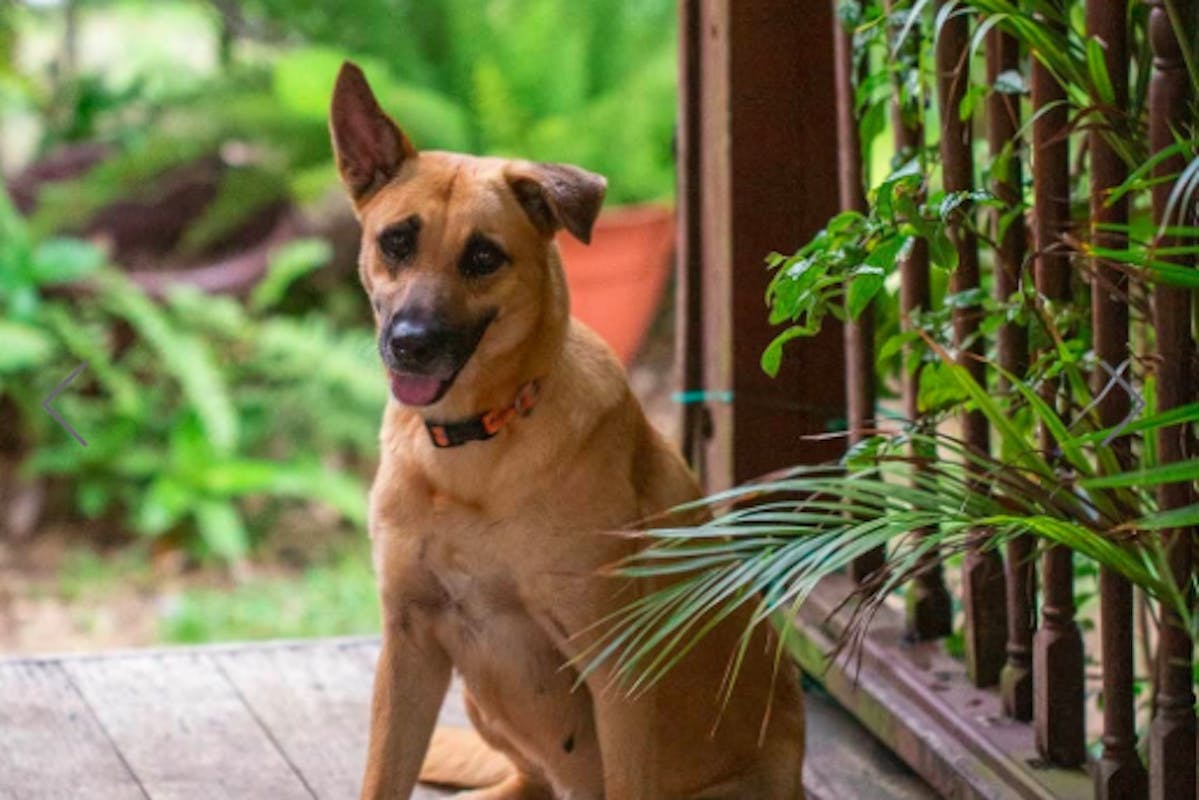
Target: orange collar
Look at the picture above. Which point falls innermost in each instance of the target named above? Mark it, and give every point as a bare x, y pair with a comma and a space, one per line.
487, 424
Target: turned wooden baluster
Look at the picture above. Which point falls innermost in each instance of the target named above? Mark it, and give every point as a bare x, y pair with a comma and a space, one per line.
1172, 732
982, 569
929, 608
1003, 123
1119, 774
859, 334
1057, 645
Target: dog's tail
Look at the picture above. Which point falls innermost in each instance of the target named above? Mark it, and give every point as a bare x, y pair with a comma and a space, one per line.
458, 757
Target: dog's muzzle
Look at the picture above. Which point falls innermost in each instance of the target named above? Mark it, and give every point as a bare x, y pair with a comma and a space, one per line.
425, 355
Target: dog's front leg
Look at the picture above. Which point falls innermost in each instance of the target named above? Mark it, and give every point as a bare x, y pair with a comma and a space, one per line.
626, 729
411, 680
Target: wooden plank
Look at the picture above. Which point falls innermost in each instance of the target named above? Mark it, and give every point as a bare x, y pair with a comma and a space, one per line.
51, 746
844, 760
314, 699
315, 702
182, 728
199, 723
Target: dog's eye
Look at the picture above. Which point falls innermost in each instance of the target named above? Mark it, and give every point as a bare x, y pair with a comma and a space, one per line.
481, 257
398, 242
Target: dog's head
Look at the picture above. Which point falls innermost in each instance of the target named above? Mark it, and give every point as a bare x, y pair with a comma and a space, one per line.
457, 251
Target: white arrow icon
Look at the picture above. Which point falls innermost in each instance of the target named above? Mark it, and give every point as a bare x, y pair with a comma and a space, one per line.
50, 399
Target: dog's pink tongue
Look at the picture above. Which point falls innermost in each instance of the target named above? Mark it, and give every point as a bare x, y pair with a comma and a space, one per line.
415, 390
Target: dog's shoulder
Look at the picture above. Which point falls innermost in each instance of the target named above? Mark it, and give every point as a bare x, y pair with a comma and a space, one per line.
594, 368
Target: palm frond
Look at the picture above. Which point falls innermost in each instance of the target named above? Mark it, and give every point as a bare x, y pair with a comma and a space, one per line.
925, 497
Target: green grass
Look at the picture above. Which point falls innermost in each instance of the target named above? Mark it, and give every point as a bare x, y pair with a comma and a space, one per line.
85, 574
333, 599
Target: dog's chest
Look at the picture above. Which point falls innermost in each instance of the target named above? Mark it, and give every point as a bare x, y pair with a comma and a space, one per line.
462, 588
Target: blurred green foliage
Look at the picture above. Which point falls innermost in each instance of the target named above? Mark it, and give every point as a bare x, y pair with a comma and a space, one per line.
197, 413
332, 595
333, 599
590, 82
206, 416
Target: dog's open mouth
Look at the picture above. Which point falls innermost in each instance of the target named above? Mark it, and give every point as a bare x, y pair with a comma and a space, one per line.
419, 390
422, 375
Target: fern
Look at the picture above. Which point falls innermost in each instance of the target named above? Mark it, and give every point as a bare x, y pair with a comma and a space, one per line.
187, 358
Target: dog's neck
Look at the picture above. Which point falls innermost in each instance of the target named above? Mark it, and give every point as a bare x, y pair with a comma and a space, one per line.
481, 427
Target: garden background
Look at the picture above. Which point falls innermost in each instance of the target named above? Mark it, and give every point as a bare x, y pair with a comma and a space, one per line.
172, 217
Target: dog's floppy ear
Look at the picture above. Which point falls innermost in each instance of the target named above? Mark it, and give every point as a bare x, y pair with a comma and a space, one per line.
368, 146
559, 196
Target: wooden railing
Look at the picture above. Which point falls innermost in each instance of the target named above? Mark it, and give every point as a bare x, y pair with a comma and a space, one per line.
1023, 643
1040, 667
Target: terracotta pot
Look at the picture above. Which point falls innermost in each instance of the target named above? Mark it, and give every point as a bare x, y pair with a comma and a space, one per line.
616, 282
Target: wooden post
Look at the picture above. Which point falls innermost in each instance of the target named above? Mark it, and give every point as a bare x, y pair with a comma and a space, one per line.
982, 570
767, 164
1003, 123
1172, 732
689, 297
1119, 774
1057, 646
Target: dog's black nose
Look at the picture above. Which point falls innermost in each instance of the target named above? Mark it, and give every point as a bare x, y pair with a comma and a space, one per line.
415, 344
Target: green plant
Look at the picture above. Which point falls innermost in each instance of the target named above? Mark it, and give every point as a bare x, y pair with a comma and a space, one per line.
337, 598
588, 82
179, 438
767, 550
1093, 491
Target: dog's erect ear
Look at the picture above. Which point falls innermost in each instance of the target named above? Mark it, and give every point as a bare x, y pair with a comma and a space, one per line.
368, 146
559, 196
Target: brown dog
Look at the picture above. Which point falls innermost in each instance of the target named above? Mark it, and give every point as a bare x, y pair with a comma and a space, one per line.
512, 445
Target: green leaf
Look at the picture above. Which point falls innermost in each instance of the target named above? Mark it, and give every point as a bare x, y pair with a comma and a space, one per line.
222, 530
58, 261
191, 451
1178, 472
92, 498
187, 358
1150, 423
938, 389
862, 288
162, 506
886, 254
23, 347
287, 265
1184, 517
246, 477
1098, 70
772, 356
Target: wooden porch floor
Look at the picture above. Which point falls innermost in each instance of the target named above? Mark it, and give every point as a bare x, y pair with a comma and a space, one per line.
276, 720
